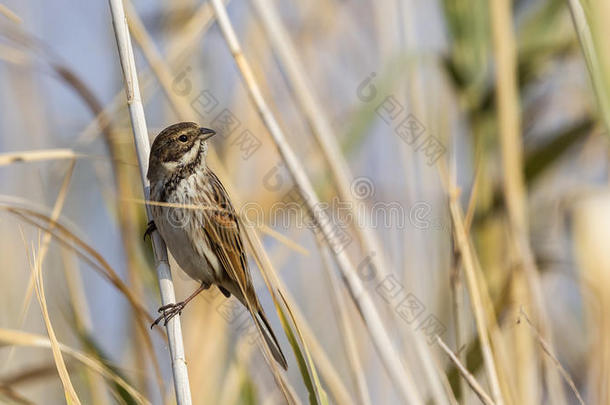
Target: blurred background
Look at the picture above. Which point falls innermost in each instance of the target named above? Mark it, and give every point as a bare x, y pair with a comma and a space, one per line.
460, 151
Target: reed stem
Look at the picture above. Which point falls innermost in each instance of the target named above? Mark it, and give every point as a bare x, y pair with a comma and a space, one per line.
140, 133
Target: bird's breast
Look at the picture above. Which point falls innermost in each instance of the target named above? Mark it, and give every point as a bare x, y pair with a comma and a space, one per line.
182, 226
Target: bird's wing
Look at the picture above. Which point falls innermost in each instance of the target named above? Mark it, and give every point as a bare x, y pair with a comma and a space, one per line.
222, 230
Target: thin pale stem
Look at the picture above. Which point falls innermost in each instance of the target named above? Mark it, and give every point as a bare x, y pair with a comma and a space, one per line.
476, 300
592, 58
321, 129
472, 382
140, 133
549, 351
509, 122
347, 330
397, 371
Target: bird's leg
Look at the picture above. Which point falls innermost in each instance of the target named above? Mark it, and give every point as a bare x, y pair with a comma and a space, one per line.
150, 228
171, 310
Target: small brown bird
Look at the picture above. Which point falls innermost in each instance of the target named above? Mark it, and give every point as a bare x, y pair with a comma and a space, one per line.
205, 242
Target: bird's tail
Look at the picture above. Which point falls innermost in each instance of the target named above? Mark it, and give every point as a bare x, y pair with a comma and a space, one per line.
270, 339
259, 317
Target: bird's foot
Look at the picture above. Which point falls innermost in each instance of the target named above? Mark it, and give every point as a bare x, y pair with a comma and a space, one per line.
168, 312
150, 228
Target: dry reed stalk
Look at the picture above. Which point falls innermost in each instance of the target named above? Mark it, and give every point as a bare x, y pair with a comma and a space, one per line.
30, 374
82, 318
37, 155
524, 362
591, 219
237, 358
472, 203
457, 282
162, 72
184, 110
181, 107
80, 308
164, 75
592, 58
36, 268
339, 168
457, 292
497, 339
10, 394
138, 121
481, 303
235, 374
446, 384
459, 315
284, 240
142, 343
397, 371
178, 46
94, 259
414, 89
204, 374
126, 215
509, 119
20, 338
287, 317
124, 212
82, 249
549, 351
280, 377
326, 367
46, 239
345, 328
302, 90
476, 301
10, 14
472, 382
13, 55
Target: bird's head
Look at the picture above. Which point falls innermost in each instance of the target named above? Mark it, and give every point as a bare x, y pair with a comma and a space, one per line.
176, 147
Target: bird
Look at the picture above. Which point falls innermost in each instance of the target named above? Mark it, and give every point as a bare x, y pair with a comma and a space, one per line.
196, 219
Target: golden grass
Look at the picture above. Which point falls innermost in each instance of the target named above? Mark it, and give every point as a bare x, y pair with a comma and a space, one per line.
8, 13
20, 338
274, 283
36, 269
497, 79
37, 155
549, 352
469, 378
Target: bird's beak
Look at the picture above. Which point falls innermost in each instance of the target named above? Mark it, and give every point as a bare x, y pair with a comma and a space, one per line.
205, 133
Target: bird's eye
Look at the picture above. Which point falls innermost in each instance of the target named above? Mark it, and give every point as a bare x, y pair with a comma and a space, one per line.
183, 138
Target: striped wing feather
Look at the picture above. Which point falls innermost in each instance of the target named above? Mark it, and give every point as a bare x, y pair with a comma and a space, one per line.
222, 229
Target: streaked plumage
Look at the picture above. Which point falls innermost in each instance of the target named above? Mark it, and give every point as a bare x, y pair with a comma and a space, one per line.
205, 242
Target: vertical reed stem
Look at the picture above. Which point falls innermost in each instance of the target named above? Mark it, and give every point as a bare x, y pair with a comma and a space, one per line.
528, 285
398, 373
140, 133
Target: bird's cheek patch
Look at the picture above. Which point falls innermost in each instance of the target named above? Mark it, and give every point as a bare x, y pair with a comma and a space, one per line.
189, 156
170, 166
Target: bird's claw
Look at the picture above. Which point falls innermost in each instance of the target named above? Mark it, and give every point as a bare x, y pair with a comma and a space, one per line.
168, 312
150, 228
